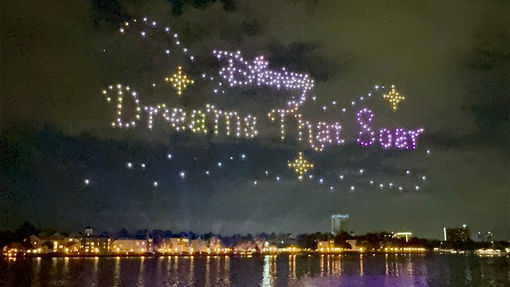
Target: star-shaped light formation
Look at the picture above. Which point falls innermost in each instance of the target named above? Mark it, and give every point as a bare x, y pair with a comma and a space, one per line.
179, 81
300, 165
394, 97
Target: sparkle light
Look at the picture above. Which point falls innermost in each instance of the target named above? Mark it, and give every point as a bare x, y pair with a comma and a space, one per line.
394, 97
300, 165
86, 181
179, 80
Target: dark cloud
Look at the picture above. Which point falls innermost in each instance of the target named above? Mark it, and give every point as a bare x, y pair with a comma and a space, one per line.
304, 57
109, 11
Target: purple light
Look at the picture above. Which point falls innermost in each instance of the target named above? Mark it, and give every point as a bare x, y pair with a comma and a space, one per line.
239, 72
399, 139
366, 135
385, 138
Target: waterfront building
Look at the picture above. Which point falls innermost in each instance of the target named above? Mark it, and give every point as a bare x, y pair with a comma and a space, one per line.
327, 246
95, 245
132, 246
339, 223
174, 245
13, 249
37, 244
323, 245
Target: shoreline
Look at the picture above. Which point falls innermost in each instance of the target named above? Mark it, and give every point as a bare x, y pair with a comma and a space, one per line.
309, 254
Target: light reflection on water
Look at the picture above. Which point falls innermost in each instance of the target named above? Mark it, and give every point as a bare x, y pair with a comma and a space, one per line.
270, 270
116, 272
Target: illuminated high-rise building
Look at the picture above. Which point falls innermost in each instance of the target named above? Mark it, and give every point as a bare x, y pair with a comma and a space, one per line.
339, 223
457, 234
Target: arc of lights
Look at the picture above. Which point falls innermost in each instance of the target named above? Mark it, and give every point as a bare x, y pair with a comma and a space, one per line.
300, 165
180, 81
394, 97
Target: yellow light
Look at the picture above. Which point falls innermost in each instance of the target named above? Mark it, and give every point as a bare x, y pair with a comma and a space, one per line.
300, 165
394, 97
179, 81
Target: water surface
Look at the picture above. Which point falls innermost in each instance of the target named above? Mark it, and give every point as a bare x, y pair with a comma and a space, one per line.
282, 270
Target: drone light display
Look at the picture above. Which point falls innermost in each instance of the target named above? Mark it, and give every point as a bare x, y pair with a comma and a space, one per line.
238, 72
180, 81
300, 165
394, 97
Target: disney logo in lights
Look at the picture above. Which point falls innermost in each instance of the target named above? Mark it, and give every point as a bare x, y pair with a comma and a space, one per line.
240, 73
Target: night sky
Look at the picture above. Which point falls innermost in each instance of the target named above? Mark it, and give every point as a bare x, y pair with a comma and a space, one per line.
449, 58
